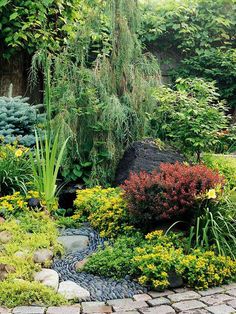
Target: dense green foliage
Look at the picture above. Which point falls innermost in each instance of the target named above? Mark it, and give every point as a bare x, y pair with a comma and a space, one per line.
32, 25
191, 116
202, 33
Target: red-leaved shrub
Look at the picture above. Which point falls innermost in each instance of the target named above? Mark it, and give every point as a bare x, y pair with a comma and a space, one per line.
173, 192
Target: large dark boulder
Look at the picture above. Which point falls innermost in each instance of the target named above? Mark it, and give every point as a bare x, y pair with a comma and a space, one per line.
144, 156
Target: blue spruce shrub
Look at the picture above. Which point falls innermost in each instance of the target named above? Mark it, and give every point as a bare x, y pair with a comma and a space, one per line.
17, 120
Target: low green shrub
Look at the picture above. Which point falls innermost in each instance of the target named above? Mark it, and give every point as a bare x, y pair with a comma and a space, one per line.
105, 209
225, 164
115, 261
20, 292
15, 169
151, 260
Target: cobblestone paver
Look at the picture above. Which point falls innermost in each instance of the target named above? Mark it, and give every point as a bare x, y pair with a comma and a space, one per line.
220, 300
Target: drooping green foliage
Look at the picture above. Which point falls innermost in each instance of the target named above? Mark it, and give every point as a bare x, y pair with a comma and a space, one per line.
103, 107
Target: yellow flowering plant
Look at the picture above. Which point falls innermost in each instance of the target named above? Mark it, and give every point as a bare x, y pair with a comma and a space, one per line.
15, 169
105, 209
202, 270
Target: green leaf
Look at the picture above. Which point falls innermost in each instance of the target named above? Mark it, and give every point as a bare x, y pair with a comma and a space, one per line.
13, 16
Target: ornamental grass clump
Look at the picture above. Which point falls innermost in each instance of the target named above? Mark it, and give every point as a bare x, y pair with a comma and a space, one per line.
175, 192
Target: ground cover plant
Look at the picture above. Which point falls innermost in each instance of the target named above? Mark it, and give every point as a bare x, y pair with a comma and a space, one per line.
20, 238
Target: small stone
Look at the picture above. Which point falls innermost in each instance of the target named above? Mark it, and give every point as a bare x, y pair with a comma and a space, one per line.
142, 297
74, 243
28, 310
5, 237
188, 295
163, 309
96, 307
48, 277
2, 220
22, 254
216, 299
175, 280
42, 255
75, 309
221, 309
79, 265
232, 292
232, 303
5, 270
158, 301
211, 291
155, 294
188, 305
71, 291
4, 310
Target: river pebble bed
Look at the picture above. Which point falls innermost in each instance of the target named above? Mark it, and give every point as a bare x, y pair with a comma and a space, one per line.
100, 288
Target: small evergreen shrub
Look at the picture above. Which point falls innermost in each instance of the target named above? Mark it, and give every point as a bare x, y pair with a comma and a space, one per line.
105, 209
171, 193
18, 120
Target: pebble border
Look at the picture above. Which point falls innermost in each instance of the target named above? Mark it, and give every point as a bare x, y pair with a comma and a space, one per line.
100, 288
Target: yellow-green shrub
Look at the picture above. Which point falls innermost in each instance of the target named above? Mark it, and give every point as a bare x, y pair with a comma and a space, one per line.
202, 270
29, 232
105, 209
16, 204
20, 292
155, 257
225, 164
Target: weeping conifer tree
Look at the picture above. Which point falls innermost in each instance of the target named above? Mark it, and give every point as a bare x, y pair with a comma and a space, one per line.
103, 107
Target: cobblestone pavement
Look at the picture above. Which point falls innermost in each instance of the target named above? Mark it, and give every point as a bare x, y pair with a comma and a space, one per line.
220, 300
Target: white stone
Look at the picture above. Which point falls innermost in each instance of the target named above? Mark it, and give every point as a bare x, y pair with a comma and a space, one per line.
71, 291
48, 277
74, 243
